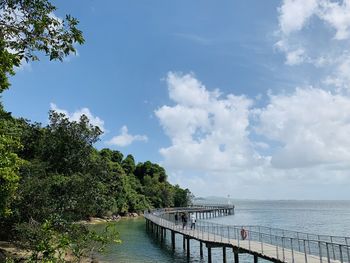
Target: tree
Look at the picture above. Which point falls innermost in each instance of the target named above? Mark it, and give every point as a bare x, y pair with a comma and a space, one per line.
28, 27
9, 166
151, 169
66, 146
114, 156
182, 197
128, 164
9, 161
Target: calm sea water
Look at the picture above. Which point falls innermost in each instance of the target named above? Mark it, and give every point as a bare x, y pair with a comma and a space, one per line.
319, 217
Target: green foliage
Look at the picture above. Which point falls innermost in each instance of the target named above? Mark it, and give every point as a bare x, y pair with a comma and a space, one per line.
9, 166
57, 173
114, 156
52, 240
7, 62
9, 162
28, 27
151, 169
31, 25
128, 164
66, 146
182, 197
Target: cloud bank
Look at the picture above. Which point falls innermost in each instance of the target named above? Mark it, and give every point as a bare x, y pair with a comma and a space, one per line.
220, 143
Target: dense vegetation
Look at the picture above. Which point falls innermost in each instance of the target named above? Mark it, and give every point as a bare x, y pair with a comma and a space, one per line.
61, 174
52, 176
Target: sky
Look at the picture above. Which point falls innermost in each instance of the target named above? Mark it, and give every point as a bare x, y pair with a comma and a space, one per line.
245, 98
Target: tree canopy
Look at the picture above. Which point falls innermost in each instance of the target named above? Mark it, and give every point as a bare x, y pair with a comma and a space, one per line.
30, 27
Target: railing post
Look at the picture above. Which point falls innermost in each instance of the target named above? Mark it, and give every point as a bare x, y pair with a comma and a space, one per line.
262, 247
305, 251
291, 245
208, 232
333, 248
284, 256
249, 237
328, 258
228, 233
320, 251
276, 247
237, 236
341, 254
221, 233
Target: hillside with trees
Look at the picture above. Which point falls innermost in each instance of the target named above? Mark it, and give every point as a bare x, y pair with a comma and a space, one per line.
58, 175
52, 175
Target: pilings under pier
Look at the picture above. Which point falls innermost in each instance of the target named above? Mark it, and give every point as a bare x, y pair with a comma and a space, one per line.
203, 212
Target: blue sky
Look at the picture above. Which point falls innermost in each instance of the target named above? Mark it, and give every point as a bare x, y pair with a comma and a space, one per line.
247, 98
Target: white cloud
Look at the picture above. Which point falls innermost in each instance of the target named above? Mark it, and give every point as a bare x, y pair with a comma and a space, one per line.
325, 45
295, 13
295, 57
125, 139
300, 140
208, 133
340, 77
338, 16
311, 126
75, 116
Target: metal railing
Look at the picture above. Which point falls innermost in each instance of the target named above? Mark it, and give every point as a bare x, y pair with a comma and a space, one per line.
284, 245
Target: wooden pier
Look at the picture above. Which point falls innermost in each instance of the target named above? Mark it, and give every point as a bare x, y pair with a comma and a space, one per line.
275, 245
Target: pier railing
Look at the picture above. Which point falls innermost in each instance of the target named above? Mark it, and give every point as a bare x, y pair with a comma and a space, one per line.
326, 248
283, 245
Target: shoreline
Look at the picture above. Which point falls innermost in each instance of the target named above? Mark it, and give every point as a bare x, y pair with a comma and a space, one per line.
11, 250
101, 220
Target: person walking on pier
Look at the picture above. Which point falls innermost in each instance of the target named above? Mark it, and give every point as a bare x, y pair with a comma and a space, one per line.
176, 218
184, 220
193, 221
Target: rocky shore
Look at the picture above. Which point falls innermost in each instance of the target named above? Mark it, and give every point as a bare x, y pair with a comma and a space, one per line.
105, 219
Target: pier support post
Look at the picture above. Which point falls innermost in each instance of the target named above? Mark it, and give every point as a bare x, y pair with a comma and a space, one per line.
209, 254
255, 259
224, 254
183, 242
236, 257
201, 249
173, 239
188, 248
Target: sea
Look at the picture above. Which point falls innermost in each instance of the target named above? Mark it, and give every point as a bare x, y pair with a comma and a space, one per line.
317, 217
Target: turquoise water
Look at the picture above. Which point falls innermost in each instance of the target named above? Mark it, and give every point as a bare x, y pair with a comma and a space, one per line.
319, 217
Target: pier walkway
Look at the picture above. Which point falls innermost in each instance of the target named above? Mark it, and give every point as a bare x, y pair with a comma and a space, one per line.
273, 244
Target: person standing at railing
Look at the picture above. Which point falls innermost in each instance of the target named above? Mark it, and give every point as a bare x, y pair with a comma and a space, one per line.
193, 221
244, 233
